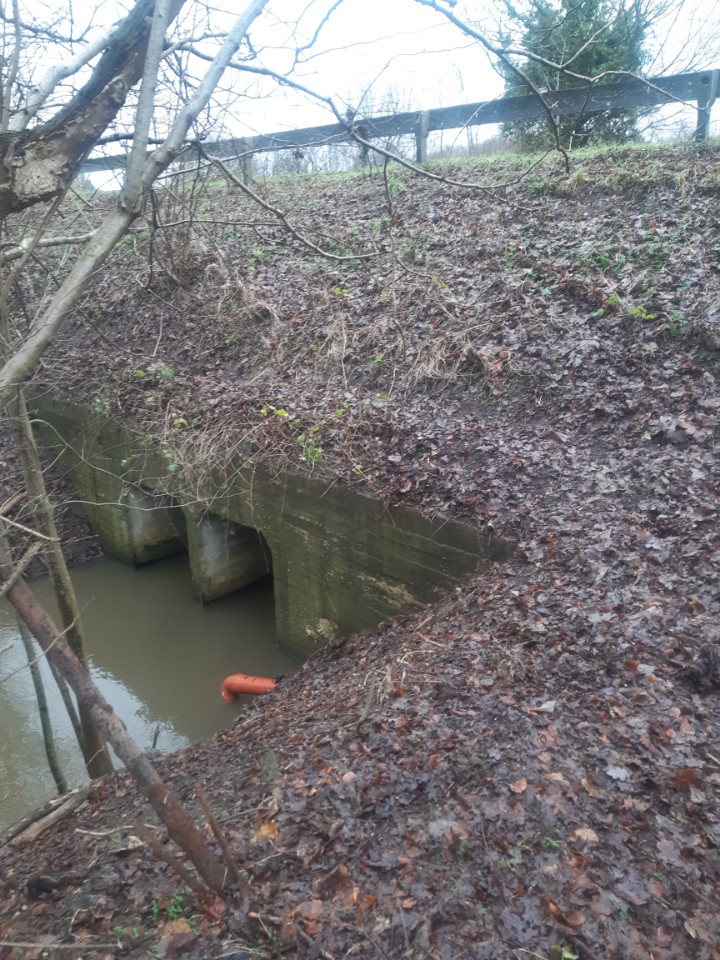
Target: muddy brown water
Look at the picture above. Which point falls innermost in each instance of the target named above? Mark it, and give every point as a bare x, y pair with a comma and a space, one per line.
156, 654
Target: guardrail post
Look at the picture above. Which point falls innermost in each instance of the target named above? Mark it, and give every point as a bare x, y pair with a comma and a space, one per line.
246, 163
704, 105
422, 128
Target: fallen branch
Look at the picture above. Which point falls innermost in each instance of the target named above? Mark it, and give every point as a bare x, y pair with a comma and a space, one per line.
37, 821
11, 502
159, 850
43, 946
104, 834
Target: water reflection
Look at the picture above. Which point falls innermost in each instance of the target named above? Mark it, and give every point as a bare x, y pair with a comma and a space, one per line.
157, 656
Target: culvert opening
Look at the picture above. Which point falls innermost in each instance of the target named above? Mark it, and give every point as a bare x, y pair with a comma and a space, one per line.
225, 556
154, 528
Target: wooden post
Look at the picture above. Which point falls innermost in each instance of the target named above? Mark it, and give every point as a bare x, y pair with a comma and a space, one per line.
422, 128
705, 102
246, 163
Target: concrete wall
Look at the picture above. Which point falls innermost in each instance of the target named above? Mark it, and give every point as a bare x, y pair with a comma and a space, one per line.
341, 561
224, 556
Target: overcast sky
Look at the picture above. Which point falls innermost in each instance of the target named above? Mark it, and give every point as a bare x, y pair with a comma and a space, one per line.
398, 54
401, 53
401, 49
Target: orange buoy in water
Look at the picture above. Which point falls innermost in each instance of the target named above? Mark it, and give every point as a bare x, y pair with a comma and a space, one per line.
241, 683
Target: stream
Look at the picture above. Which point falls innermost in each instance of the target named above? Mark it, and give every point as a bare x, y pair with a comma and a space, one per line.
156, 655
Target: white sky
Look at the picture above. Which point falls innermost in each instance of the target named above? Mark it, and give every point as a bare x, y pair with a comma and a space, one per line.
414, 52
371, 49
384, 47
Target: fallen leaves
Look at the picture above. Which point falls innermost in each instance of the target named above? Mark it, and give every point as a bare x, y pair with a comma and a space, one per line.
618, 773
584, 833
684, 779
266, 831
310, 913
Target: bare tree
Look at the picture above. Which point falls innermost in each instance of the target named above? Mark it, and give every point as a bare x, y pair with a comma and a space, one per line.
39, 156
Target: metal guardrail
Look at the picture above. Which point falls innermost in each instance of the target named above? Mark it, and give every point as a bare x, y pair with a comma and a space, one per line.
700, 89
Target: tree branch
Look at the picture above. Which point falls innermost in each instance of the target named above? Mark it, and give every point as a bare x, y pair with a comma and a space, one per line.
39, 94
146, 101
125, 44
166, 153
117, 222
503, 54
13, 71
26, 245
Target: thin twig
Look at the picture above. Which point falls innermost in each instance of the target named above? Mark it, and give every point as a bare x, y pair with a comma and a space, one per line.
278, 921
221, 839
325, 954
33, 533
20, 568
281, 215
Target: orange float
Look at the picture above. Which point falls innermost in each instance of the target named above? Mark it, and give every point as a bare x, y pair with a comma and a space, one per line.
238, 683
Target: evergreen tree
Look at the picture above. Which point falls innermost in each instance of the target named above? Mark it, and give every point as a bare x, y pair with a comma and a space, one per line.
590, 37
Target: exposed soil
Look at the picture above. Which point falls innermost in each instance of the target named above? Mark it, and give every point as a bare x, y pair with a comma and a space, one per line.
532, 768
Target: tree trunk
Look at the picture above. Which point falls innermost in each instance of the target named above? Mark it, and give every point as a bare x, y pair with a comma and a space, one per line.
69, 705
39, 163
167, 806
46, 725
97, 759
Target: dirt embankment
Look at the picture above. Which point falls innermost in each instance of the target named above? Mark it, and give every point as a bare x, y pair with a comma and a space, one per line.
79, 542
533, 767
